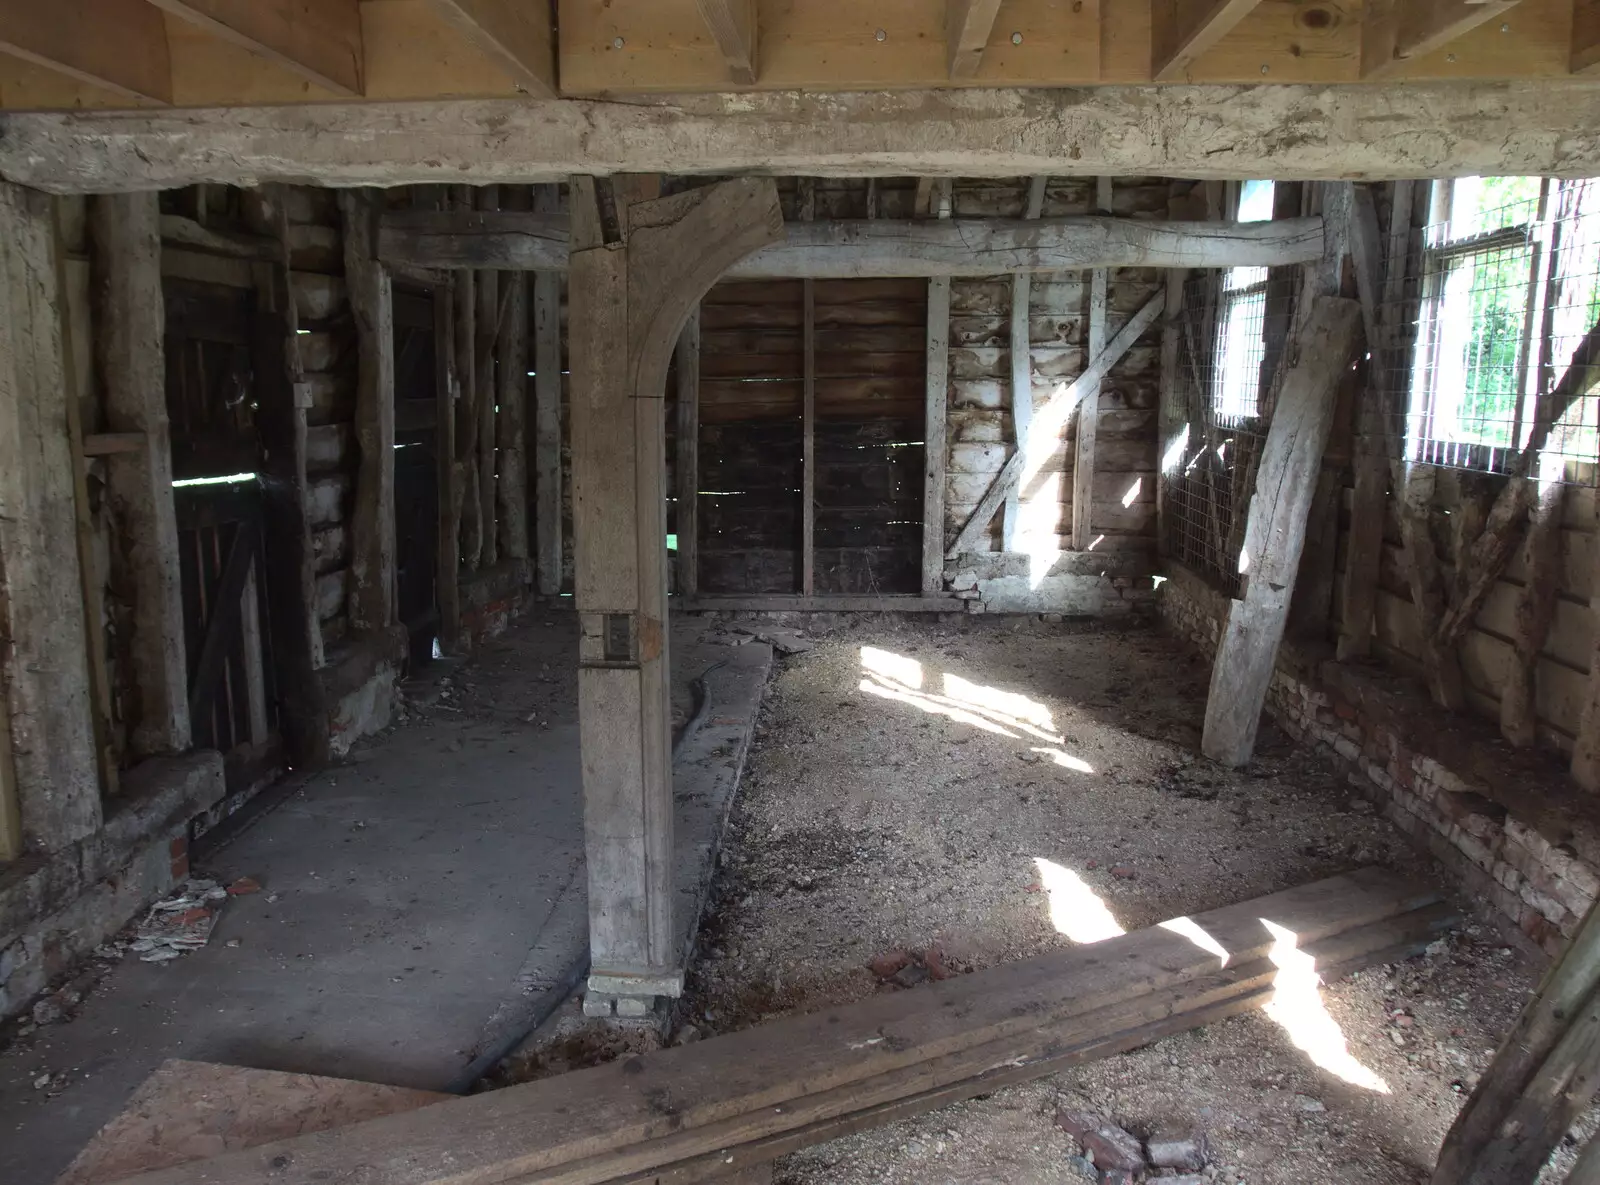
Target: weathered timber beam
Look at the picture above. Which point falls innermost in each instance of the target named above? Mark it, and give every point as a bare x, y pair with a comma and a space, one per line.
1182, 30
733, 27
1276, 532
120, 45
881, 247
321, 42
967, 27
1438, 129
1540, 1080
510, 240
1393, 34
1585, 36
517, 34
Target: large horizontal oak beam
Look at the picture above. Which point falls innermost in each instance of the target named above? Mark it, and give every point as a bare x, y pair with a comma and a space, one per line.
1307, 132
881, 247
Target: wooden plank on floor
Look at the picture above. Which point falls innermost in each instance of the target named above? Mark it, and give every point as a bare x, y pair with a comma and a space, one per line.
661, 1108
186, 1111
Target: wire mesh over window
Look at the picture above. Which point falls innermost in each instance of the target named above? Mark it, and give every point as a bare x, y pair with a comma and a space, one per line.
1233, 329
1495, 329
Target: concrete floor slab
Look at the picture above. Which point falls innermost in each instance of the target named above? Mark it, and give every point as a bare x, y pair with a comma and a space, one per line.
414, 900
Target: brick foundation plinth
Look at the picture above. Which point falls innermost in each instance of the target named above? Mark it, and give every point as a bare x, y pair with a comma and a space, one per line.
1509, 824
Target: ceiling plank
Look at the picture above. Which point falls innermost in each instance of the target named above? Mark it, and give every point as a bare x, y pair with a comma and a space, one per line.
1585, 36
118, 45
662, 46
519, 34
1182, 30
1395, 32
968, 24
318, 41
733, 25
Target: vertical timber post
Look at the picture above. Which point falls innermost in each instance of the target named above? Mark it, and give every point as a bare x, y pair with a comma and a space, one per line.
547, 416
44, 671
808, 409
935, 418
1021, 368
130, 356
372, 535
638, 269
687, 469
1280, 507
1089, 406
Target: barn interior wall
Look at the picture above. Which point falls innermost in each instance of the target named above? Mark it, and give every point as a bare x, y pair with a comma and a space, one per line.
1505, 815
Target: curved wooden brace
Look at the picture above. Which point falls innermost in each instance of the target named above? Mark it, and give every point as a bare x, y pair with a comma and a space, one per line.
678, 247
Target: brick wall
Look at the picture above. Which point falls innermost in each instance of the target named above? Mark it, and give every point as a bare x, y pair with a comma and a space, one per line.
1510, 825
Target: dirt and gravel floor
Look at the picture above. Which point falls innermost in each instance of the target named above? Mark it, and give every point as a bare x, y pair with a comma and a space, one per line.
918, 787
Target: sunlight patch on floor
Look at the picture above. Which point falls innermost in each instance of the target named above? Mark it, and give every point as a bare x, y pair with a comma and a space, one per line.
1298, 1009
894, 677
1076, 910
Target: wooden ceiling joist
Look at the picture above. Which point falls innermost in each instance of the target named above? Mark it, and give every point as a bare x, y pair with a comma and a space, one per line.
118, 45
1182, 30
1585, 36
519, 34
1394, 32
733, 25
320, 41
968, 25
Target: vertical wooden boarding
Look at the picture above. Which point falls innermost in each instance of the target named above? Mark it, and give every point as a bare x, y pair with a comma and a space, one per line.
687, 469
1586, 745
547, 415
511, 486
464, 485
447, 574
481, 469
1089, 407
1021, 367
372, 531
808, 404
935, 430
